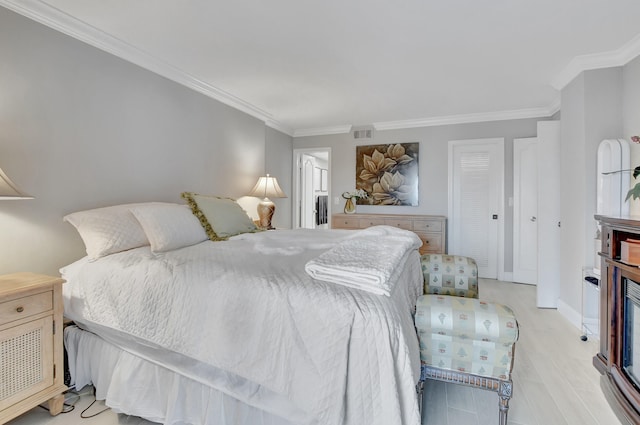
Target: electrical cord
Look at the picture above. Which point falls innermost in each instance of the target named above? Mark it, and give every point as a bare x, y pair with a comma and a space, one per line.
69, 405
95, 414
66, 406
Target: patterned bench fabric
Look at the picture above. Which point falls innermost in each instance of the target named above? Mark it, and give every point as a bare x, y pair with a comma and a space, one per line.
466, 318
450, 275
483, 358
467, 335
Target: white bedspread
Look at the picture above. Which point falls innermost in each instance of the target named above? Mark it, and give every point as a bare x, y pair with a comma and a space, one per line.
239, 317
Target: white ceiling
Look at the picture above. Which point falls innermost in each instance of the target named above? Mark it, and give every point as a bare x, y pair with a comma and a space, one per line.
310, 67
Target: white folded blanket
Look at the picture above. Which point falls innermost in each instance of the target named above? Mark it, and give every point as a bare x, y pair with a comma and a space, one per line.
366, 260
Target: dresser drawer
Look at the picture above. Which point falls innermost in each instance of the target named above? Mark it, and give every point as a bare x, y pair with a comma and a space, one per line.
24, 307
431, 229
431, 243
346, 223
400, 222
370, 221
427, 226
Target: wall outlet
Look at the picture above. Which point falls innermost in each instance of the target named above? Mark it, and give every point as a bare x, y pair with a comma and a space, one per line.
336, 200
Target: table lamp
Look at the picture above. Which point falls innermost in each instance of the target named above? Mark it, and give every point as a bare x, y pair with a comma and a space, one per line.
267, 187
8, 189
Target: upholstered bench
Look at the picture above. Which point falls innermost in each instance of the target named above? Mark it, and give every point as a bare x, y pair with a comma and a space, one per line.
467, 341
450, 275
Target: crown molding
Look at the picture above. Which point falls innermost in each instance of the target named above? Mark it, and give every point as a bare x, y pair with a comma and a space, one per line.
322, 131
470, 118
613, 58
51, 17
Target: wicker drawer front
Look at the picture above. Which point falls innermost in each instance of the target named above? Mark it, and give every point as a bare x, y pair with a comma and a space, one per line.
427, 226
24, 307
368, 222
401, 223
431, 243
26, 359
346, 223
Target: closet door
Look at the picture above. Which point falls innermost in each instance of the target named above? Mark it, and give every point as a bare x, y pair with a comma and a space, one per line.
476, 170
549, 230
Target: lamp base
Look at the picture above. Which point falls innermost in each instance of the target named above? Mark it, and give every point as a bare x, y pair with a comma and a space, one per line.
266, 208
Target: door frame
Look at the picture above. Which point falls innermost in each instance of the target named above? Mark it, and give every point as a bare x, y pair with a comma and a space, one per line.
297, 183
497, 142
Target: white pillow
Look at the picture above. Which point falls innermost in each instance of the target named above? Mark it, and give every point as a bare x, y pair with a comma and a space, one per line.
108, 230
169, 226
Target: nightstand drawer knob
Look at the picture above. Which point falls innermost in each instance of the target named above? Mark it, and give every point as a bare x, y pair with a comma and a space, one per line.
20, 309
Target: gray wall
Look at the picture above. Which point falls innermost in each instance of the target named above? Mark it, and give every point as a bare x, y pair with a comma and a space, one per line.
280, 165
80, 128
592, 110
631, 116
433, 171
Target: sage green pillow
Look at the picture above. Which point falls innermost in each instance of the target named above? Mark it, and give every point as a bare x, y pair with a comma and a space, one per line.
220, 217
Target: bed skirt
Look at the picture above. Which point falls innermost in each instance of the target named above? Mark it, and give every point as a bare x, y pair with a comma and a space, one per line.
138, 387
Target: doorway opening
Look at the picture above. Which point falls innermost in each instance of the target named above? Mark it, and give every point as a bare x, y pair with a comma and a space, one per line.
311, 191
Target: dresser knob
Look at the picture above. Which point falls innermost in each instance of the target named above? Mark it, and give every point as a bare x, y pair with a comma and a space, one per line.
20, 309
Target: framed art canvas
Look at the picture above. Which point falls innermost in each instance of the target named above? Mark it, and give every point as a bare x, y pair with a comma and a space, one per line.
388, 173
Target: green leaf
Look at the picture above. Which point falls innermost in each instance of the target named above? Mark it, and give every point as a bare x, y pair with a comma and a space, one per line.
636, 172
634, 192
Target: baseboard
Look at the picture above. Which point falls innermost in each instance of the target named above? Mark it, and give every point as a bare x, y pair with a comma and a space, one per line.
507, 277
573, 316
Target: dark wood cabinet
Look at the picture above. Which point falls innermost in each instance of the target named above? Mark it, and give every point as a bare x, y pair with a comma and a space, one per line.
619, 318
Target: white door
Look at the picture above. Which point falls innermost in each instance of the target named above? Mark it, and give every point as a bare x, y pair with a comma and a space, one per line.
307, 208
525, 210
476, 170
548, 214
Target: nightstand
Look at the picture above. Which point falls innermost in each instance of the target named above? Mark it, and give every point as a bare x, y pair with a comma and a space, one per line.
31, 352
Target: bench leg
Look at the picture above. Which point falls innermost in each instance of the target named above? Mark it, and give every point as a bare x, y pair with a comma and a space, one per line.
420, 391
504, 394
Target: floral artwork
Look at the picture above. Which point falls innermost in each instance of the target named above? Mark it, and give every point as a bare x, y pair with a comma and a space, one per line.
388, 174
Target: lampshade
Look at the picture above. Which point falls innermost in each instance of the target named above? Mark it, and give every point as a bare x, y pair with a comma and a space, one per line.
267, 187
8, 189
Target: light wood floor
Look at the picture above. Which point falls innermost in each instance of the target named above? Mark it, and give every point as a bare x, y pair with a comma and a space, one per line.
554, 381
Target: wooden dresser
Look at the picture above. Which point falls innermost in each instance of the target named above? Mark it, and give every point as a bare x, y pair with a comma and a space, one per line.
432, 229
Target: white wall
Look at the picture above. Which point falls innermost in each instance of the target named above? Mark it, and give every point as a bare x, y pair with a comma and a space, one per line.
433, 164
80, 128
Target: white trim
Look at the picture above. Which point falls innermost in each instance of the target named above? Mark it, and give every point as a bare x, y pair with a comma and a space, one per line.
73, 27
321, 131
574, 317
444, 120
470, 118
612, 58
56, 19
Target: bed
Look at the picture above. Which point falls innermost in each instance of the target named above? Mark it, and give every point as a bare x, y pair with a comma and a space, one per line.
275, 327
